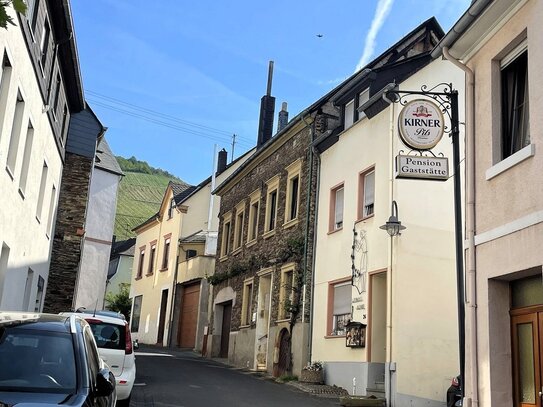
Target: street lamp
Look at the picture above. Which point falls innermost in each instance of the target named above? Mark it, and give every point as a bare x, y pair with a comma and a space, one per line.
393, 226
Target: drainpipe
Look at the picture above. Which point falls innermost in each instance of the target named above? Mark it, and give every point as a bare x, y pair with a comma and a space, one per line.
473, 400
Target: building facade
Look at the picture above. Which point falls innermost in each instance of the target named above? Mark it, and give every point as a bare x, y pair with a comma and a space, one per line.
498, 44
386, 306
40, 90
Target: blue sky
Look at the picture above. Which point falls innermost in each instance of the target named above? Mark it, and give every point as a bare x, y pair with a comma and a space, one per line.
172, 78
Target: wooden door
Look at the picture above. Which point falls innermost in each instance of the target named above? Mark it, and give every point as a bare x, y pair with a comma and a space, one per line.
225, 329
527, 335
188, 320
162, 320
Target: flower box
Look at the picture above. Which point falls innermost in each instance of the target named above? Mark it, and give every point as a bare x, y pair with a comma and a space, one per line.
312, 376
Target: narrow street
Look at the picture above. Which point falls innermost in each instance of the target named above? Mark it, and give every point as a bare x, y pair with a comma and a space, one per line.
184, 379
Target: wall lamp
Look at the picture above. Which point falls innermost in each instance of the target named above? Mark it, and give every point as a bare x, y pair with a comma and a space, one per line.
393, 226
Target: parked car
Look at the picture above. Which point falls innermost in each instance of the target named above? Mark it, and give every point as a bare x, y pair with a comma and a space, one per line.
454, 393
112, 335
51, 360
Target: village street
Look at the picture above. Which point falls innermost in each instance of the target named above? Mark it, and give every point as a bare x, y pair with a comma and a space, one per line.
184, 379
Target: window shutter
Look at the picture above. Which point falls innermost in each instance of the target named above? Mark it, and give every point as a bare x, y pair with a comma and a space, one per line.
342, 299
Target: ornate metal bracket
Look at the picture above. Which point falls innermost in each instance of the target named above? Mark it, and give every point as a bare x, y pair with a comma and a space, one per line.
359, 260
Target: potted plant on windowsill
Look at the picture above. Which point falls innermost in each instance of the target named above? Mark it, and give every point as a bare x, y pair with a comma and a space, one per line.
313, 373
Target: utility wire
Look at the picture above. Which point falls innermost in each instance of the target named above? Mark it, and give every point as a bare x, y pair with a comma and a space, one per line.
163, 115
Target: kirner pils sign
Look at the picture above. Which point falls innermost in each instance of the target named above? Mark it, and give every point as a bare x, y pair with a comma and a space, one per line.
414, 166
421, 124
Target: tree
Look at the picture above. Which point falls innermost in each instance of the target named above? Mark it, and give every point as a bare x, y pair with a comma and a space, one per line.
120, 302
5, 18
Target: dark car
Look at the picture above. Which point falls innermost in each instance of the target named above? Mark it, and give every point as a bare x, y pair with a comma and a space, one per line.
51, 360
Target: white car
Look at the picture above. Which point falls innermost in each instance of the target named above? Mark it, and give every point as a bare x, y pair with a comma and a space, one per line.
112, 335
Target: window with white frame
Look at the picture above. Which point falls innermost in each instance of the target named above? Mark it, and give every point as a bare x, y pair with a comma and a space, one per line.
515, 133
349, 114
336, 208
226, 231
5, 82
271, 204
43, 181
247, 304
16, 129
140, 263
363, 97
171, 208
136, 313
26, 158
366, 194
50, 217
341, 301
44, 43
254, 207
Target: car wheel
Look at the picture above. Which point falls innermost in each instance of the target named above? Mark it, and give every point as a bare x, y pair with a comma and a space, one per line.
124, 403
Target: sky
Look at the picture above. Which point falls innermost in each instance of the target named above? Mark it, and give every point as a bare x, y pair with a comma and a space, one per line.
173, 79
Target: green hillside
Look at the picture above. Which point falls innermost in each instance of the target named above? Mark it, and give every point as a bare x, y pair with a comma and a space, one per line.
139, 196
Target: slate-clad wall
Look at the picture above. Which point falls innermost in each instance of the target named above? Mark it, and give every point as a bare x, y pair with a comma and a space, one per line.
83, 130
68, 233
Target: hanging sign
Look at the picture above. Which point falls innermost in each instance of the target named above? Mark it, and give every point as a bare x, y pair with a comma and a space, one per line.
421, 124
411, 166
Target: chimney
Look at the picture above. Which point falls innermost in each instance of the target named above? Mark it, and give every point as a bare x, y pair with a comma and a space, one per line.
283, 117
221, 163
267, 110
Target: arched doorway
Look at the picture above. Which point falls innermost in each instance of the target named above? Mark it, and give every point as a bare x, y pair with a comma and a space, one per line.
283, 361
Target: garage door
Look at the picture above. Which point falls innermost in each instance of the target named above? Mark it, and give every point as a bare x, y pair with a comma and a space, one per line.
189, 316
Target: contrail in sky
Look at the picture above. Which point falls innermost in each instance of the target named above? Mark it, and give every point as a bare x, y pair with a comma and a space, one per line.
381, 13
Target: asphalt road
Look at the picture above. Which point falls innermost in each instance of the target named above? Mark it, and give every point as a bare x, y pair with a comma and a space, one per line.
184, 379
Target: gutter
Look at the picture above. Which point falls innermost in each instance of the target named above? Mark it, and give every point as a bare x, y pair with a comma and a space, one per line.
460, 27
473, 400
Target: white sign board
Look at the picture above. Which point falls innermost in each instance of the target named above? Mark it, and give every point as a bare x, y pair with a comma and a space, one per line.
412, 166
421, 124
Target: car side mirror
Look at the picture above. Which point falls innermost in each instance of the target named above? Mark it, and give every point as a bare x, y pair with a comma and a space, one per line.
105, 383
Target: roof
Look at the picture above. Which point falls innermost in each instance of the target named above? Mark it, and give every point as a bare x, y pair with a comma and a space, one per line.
180, 191
105, 160
123, 248
198, 237
37, 321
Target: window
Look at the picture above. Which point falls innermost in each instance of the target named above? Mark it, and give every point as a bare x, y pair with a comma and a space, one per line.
28, 289
39, 295
16, 129
57, 95
26, 158
340, 299
5, 81
514, 105
252, 233
238, 231
43, 181
152, 259
349, 114
136, 312
35, 5
286, 292
140, 264
225, 238
271, 204
4, 257
293, 190
166, 255
51, 210
44, 44
171, 208
336, 208
350, 110
247, 305
366, 197
63, 129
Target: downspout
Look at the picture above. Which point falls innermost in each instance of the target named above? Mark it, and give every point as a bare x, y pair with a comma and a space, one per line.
473, 400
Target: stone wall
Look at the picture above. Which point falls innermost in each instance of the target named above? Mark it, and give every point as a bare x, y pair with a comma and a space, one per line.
69, 233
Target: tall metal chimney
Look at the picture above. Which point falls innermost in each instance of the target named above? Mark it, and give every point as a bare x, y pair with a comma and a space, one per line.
267, 110
282, 120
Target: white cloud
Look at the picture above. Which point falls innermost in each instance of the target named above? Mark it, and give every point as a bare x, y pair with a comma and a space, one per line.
381, 13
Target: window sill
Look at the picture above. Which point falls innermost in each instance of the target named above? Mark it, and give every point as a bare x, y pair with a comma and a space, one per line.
38, 219
331, 232
278, 321
290, 223
364, 218
163, 269
510, 161
236, 251
23, 197
10, 173
244, 326
223, 258
334, 336
148, 274
251, 243
138, 278
268, 234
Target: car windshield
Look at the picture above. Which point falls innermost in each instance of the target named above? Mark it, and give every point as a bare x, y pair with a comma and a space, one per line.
108, 336
36, 361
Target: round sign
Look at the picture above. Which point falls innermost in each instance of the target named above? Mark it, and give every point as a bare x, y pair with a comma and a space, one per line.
421, 124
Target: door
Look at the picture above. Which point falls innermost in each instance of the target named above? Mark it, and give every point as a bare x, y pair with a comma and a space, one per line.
188, 320
527, 335
162, 320
283, 363
225, 329
263, 322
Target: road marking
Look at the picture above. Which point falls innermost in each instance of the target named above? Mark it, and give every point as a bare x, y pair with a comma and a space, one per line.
140, 384
152, 354
194, 386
